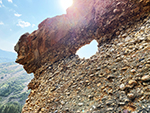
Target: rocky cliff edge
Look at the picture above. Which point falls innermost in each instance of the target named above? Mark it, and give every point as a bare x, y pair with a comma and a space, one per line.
61, 36
114, 80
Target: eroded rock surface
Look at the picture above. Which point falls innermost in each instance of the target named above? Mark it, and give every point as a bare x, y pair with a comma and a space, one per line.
115, 79
60, 37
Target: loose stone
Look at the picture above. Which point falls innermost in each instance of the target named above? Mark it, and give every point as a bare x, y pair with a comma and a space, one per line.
78, 111
146, 78
43, 109
121, 103
110, 109
124, 68
133, 71
125, 111
122, 86
147, 65
110, 77
99, 84
132, 82
90, 96
131, 95
109, 102
62, 102
80, 104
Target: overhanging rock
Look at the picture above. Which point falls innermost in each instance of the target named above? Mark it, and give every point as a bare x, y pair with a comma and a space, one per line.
61, 36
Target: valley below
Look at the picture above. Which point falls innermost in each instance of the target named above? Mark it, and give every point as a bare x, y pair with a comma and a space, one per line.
13, 87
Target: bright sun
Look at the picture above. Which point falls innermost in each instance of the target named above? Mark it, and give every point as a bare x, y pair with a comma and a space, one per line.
66, 3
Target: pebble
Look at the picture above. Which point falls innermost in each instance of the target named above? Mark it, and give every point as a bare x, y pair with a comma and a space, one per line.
124, 68
125, 111
62, 102
126, 100
110, 109
78, 111
125, 35
132, 82
43, 109
131, 95
147, 65
133, 71
146, 78
121, 103
122, 86
99, 84
90, 96
109, 102
80, 104
148, 38
118, 32
110, 77
56, 111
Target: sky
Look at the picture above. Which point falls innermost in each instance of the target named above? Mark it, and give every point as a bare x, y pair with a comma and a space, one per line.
20, 16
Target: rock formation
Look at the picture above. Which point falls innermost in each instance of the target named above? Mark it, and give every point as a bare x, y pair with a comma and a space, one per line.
61, 36
108, 82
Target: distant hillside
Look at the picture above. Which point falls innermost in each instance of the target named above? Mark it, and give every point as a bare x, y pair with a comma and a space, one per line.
6, 56
13, 85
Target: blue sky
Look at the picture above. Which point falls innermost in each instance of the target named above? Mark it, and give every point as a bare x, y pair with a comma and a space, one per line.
20, 16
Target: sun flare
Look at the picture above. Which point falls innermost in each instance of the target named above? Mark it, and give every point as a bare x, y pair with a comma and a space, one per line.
66, 3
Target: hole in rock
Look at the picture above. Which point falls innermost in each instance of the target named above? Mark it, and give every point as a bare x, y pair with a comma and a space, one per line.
88, 50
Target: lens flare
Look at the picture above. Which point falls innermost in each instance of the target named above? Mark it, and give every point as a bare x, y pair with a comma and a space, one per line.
66, 3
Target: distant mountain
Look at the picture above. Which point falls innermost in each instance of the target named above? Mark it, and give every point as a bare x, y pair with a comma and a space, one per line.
6, 56
13, 86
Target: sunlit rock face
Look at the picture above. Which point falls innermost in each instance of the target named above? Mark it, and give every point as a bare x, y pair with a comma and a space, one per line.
61, 36
115, 79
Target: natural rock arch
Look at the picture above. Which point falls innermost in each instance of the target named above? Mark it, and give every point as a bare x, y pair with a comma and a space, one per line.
61, 36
